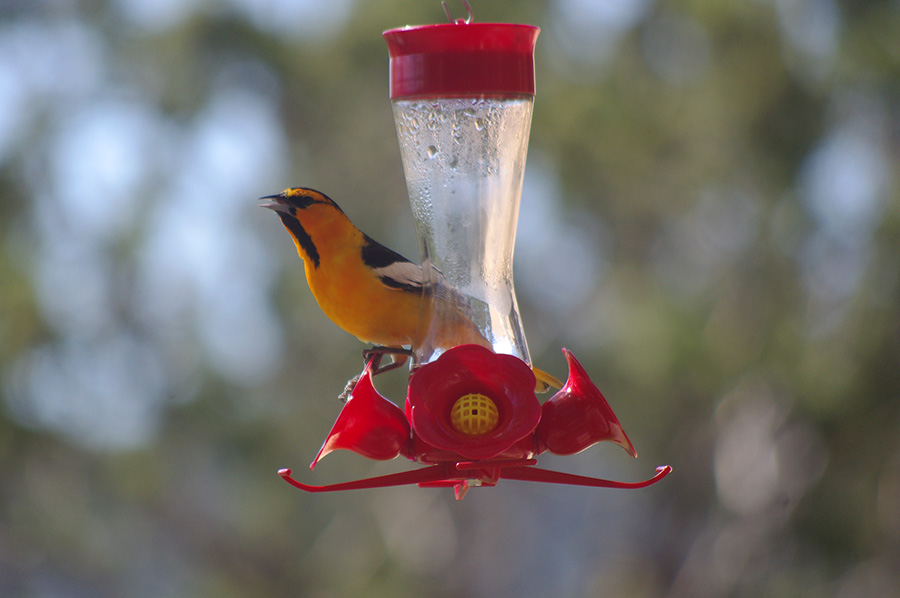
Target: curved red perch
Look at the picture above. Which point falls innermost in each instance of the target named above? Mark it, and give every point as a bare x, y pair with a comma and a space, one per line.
465, 474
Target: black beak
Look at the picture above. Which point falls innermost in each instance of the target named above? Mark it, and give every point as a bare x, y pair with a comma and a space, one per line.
275, 202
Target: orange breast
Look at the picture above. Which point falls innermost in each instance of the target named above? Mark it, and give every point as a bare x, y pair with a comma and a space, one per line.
354, 299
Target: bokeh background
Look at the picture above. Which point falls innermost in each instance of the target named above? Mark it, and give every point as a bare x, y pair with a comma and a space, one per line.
710, 221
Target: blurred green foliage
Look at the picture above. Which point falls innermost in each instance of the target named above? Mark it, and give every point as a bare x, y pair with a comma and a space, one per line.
710, 222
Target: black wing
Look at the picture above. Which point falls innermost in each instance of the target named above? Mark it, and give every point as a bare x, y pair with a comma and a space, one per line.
393, 269
397, 272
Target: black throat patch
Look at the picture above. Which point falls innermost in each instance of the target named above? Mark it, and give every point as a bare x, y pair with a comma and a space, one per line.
303, 238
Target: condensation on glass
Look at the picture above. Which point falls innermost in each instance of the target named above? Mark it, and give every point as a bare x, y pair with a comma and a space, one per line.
464, 161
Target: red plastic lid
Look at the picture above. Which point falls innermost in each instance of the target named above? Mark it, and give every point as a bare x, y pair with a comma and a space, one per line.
460, 59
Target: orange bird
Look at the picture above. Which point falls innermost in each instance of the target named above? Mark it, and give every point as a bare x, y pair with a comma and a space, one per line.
369, 290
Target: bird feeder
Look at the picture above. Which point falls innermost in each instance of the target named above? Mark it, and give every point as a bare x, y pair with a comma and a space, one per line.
462, 96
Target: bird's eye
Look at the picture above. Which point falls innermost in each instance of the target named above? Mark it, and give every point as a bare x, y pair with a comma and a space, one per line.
300, 201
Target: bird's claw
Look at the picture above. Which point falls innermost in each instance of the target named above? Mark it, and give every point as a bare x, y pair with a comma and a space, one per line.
374, 355
348, 388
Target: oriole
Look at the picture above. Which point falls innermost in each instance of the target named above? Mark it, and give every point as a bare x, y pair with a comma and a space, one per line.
369, 290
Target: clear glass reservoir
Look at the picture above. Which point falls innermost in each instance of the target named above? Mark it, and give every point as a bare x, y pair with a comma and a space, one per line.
462, 95
464, 161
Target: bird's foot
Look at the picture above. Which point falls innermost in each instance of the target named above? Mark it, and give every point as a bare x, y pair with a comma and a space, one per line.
374, 355
348, 388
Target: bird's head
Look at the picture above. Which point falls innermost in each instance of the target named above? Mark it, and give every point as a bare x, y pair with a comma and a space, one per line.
309, 216
297, 201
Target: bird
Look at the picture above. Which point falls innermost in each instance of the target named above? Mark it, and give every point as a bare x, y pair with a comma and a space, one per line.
367, 289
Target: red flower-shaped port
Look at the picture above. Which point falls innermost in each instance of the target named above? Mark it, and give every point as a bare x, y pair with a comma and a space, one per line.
472, 402
578, 416
369, 425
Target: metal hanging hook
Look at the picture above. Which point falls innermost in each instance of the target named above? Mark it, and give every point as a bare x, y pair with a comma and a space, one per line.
450, 18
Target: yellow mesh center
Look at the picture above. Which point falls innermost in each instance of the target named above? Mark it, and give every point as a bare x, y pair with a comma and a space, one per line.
474, 414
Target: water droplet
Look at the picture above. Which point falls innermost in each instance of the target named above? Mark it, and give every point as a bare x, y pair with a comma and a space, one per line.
479, 124
432, 151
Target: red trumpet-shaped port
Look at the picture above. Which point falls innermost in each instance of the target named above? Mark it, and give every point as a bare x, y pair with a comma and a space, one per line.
578, 416
472, 402
369, 425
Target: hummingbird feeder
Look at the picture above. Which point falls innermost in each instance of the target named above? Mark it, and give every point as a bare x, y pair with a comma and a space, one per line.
462, 95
